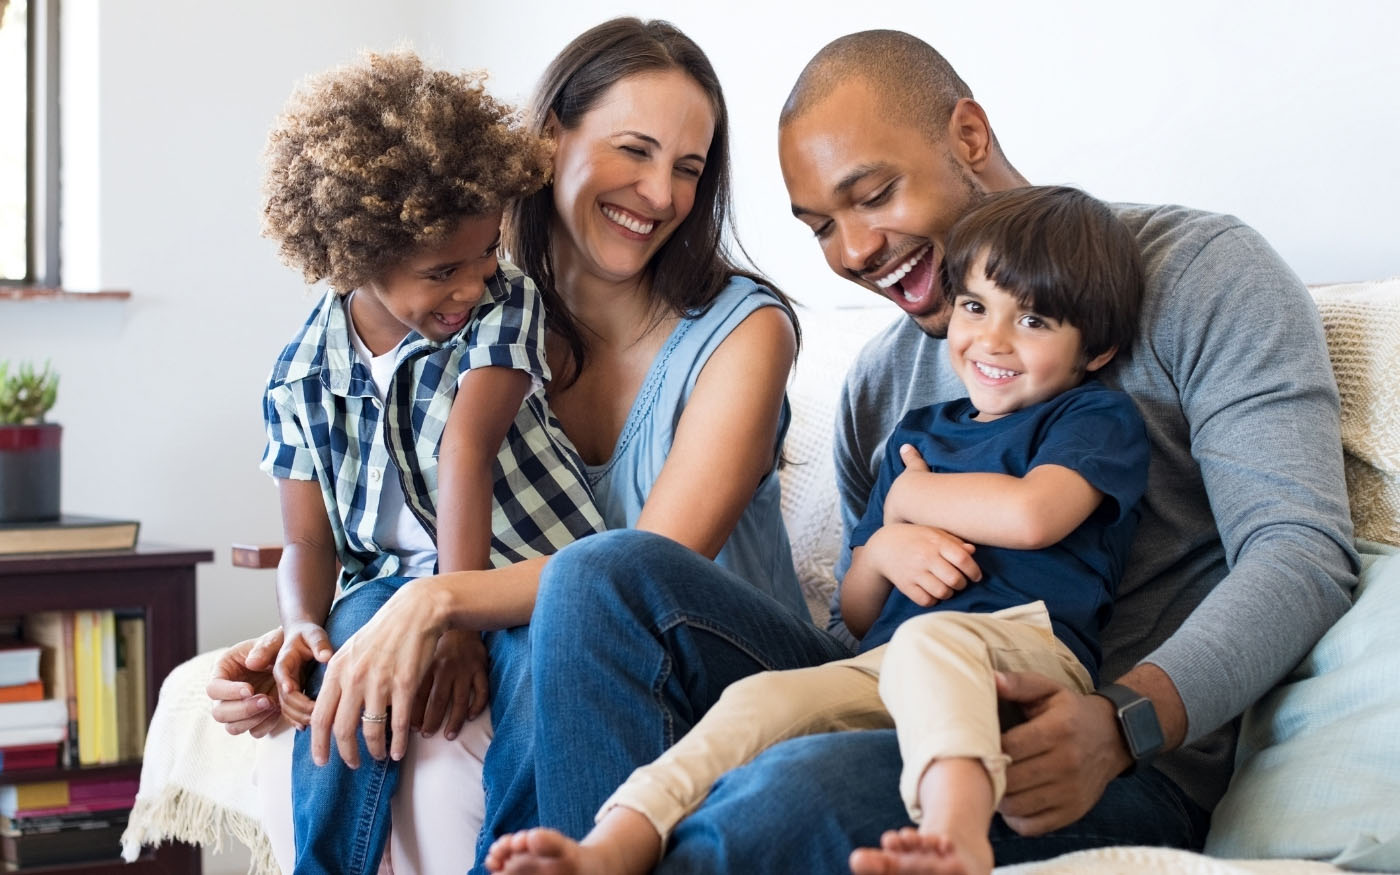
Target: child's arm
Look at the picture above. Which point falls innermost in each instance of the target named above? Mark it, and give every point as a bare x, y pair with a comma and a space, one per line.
487, 402
999, 510
305, 588
925, 563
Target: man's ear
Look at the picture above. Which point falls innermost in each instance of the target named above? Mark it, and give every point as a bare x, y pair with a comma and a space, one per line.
1100, 360
970, 134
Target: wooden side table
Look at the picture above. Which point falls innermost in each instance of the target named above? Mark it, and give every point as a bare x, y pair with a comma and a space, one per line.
154, 579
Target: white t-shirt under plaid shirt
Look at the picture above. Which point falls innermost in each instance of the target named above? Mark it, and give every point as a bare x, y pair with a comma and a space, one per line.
324, 422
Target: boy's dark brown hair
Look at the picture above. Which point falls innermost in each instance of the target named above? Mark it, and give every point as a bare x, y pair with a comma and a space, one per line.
1062, 253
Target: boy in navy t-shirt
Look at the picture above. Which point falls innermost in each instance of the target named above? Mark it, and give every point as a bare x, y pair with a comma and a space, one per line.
993, 542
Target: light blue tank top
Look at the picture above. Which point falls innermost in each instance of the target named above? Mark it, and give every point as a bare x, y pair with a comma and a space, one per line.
758, 550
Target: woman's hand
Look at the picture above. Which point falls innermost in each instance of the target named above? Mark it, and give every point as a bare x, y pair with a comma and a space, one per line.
242, 687
379, 671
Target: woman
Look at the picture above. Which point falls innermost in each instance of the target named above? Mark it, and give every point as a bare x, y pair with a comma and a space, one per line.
670, 364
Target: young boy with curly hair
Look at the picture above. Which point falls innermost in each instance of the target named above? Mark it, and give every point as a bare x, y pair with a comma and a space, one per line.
1037, 474
407, 427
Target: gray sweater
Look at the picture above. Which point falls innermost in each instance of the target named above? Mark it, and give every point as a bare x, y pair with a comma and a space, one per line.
1244, 555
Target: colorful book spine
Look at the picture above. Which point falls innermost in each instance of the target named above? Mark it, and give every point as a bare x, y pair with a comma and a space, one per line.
109, 751
85, 666
30, 692
29, 756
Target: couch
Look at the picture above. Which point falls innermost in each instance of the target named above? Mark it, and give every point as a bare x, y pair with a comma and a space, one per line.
1318, 766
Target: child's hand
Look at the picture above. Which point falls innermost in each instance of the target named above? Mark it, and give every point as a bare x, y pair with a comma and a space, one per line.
926, 564
455, 689
302, 643
913, 464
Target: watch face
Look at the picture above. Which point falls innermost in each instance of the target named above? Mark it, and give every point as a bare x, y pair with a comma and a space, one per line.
1143, 732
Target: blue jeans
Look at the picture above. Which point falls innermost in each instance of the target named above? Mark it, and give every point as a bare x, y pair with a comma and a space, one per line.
633, 638
805, 804
340, 815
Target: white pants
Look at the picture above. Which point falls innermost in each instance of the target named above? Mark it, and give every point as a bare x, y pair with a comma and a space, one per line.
435, 816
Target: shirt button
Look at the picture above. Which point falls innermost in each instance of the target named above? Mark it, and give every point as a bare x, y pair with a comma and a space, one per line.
375, 475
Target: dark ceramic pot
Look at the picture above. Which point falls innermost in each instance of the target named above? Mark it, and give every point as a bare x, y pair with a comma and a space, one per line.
29, 472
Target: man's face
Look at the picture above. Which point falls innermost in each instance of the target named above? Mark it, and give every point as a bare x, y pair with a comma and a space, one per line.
879, 195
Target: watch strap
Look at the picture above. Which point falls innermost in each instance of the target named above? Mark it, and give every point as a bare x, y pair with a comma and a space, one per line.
1137, 723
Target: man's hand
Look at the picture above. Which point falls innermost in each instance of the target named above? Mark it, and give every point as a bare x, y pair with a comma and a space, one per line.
926, 564
455, 690
1062, 757
242, 687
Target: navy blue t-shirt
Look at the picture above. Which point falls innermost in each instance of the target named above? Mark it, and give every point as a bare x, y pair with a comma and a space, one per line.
1090, 429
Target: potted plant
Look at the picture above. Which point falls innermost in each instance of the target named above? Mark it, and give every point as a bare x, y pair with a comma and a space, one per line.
29, 447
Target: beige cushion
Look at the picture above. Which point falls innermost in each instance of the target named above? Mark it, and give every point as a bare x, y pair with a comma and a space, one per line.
1362, 321
811, 506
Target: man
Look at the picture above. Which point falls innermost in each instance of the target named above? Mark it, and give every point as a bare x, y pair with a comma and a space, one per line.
1243, 557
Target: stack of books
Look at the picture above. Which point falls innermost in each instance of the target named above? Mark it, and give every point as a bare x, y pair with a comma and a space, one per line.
32, 728
93, 665
54, 822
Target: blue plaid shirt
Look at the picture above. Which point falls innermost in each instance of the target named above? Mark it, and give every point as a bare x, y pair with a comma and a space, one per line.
324, 422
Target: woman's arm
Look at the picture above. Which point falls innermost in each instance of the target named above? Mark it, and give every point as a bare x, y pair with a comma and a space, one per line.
724, 443
723, 448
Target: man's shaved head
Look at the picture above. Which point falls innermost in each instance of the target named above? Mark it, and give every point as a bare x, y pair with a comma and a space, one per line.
917, 85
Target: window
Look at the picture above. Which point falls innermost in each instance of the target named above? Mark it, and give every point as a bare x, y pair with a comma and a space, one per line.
29, 164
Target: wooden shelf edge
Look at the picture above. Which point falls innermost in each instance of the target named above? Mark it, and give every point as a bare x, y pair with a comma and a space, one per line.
40, 293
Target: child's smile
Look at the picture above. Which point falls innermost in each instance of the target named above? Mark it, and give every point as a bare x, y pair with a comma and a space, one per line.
1008, 356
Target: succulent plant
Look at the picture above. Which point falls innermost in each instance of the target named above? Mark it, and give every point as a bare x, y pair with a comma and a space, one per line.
26, 396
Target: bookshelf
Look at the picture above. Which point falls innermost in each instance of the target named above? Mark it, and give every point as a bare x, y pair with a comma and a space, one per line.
155, 579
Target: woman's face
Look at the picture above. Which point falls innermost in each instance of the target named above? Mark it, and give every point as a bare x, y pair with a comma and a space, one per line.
625, 176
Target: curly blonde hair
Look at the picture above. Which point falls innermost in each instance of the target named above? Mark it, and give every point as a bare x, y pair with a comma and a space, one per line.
369, 162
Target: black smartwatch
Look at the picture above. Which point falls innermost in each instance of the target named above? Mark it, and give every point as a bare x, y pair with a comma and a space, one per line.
1137, 720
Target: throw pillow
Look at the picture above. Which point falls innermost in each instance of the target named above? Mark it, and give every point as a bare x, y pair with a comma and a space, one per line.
1317, 775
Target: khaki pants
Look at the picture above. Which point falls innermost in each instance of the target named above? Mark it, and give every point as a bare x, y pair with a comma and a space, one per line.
934, 683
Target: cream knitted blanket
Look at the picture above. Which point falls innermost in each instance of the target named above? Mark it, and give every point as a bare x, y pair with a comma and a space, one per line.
196, 779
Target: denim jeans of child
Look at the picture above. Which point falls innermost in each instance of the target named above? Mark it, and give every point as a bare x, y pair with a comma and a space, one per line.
340, 815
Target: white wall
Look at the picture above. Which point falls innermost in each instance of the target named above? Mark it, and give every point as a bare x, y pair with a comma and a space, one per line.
1279, 112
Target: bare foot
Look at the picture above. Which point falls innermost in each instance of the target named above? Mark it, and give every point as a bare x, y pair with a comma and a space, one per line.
543, 850
910, 852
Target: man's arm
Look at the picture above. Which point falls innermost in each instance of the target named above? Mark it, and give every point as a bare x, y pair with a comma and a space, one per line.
1257, 389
